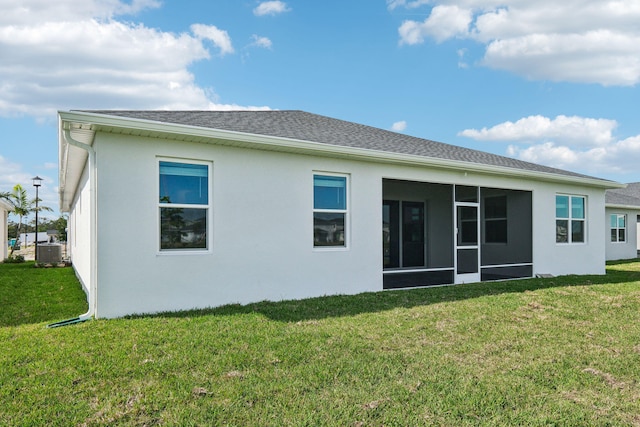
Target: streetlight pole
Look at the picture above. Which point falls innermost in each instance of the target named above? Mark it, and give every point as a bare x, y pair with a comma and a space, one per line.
37, 182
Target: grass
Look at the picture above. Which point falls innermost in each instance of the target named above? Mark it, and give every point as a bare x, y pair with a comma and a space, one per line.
32, 295
560, 351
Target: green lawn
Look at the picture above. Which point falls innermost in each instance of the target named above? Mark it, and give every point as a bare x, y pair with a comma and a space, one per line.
560, 351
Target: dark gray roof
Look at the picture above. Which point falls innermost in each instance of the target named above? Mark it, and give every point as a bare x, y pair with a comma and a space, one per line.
305, 126
629, 196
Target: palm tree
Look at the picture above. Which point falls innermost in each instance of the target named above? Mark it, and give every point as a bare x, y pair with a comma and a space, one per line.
21, 206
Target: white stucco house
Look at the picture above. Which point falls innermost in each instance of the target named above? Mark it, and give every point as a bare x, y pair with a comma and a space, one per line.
623, 222
5, 208
172, 210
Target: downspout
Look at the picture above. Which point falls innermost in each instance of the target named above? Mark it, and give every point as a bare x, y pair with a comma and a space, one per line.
92, 299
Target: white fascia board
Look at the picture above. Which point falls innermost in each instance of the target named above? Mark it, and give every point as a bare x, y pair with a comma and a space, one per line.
616, 206
103, 122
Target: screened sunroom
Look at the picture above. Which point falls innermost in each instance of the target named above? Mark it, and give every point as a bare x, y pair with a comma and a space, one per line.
436, 234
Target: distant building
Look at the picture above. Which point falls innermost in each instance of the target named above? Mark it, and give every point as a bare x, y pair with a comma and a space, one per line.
29, 238
4, 234
623, 222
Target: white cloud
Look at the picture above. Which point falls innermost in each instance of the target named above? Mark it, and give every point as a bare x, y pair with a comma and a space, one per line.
443, 23
271, 8
392, 4
35, 12
574, 143
76, 54
586, 41
261, 41
571, 129
461, 62
12, 174
620, 157
219, 37
399, 126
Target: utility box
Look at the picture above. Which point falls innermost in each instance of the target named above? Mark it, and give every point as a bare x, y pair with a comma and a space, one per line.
50, 253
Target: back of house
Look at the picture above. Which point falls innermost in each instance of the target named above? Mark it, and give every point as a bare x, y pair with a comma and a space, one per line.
173, 210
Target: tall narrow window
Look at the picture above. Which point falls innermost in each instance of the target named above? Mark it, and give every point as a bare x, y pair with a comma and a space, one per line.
618, 227
570, 219
183, 206
329, 210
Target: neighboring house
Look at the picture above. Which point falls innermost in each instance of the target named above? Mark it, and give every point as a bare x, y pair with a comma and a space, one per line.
27, 239
623, 222
173, 210
52, 236
5, 207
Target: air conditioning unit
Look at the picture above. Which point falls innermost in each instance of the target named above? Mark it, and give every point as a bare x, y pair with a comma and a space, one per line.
50, 253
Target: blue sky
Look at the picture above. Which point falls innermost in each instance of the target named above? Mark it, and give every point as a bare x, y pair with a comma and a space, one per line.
550, 82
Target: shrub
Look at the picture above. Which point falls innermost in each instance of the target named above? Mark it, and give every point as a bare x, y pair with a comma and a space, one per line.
14, 259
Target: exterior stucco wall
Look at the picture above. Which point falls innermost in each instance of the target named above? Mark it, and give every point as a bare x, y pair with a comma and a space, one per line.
622, 250
561, 259
262, 227
79, 236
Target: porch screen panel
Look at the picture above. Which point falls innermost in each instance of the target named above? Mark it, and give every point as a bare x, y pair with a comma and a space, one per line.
413, 234
506, 231
467, 261
391, 234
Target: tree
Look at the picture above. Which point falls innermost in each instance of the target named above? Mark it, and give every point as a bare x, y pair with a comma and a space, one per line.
60, 225
21, 206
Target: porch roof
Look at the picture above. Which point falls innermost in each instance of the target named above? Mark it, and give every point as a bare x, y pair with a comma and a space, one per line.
624, 197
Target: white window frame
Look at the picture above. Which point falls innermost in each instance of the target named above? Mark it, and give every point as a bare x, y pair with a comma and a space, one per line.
617, 228
347, 222
571, 219
207, 207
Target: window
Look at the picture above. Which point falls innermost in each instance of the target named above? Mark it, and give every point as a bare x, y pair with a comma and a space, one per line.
495, 219
329, 210
618, 227
183, 203
570, 219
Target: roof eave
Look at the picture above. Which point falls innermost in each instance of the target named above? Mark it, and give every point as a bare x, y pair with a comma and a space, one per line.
71, 161
621, 206
96, 121
5, 205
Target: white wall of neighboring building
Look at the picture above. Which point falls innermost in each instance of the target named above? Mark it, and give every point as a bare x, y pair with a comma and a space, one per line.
262, 227
4, 235
30, 238
629, 248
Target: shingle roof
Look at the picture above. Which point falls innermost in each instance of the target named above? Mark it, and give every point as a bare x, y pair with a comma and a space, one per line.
629, 196
305, 126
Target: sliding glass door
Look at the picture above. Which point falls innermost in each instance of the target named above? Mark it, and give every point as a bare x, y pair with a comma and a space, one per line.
403, 234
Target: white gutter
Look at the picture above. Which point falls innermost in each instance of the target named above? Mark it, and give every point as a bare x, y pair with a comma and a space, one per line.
615, 206
92, 298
